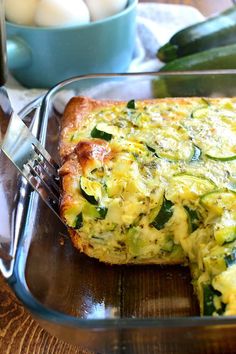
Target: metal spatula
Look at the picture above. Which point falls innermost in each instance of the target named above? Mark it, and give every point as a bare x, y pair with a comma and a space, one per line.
21, 147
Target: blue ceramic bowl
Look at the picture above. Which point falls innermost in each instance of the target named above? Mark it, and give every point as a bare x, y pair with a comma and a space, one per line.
41, 57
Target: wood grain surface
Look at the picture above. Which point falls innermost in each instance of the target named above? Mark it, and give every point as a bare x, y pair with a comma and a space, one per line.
19, 332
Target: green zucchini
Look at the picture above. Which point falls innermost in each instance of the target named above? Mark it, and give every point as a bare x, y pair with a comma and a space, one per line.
215, 31
168, 245
131, 104
150, 149
209, 295
196, 154
79, 221
219, 201
164, 214
94, 211
193, 219
102, 212
201, 112
219, 144
230, 259
222, 158
222, 205
173, 143
208, 300
224, 233
189, 84
90, 190
215, 58
185, 186
98, 133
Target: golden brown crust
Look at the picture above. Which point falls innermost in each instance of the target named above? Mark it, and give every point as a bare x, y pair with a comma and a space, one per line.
90, 151
75, 113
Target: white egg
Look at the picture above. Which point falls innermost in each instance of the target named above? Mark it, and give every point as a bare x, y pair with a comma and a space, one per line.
21, 12
61, 12
100, 9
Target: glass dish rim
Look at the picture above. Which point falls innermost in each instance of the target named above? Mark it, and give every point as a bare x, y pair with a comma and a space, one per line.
46, 98
17, 280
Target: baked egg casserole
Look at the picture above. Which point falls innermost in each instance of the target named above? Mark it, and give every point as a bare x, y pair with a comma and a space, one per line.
154, 181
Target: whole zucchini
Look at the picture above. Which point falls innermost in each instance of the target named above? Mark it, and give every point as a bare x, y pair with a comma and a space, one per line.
191, 85
216, 58
215, 31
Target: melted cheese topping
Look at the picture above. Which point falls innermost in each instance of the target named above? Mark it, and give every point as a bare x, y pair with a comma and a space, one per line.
157, 182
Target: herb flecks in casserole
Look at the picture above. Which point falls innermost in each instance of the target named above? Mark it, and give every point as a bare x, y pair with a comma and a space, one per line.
154, 182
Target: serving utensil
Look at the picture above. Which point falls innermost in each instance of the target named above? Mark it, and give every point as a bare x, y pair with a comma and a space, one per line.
31, 158
21, 146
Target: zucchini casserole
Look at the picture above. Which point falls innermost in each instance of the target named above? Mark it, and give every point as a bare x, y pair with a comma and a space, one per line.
154, 181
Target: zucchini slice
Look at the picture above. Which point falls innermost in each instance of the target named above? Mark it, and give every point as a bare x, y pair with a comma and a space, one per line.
172, 142
196, 154
214, 132
150, 149
219, 201
222, 204
102, 211
94, 211
79, 221
131, 104
230, 259
226, 156
200, 113
232, 183
168, 245
102, 131
164, 214
210, 295
91, 190
184, 186
225, 231
193, 219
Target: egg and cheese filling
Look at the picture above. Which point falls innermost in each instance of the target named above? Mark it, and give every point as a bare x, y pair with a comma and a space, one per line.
155, 182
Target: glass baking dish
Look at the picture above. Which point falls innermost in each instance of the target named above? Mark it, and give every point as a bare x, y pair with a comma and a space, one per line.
103, 308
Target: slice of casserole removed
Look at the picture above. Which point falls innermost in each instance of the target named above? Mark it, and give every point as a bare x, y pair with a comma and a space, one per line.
154, 182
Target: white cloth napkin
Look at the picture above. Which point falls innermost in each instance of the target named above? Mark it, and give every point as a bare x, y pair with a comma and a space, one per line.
156, 23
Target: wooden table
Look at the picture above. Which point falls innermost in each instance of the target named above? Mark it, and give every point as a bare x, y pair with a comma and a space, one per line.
19, 333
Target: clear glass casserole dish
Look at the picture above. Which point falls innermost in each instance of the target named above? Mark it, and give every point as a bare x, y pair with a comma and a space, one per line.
107, 309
